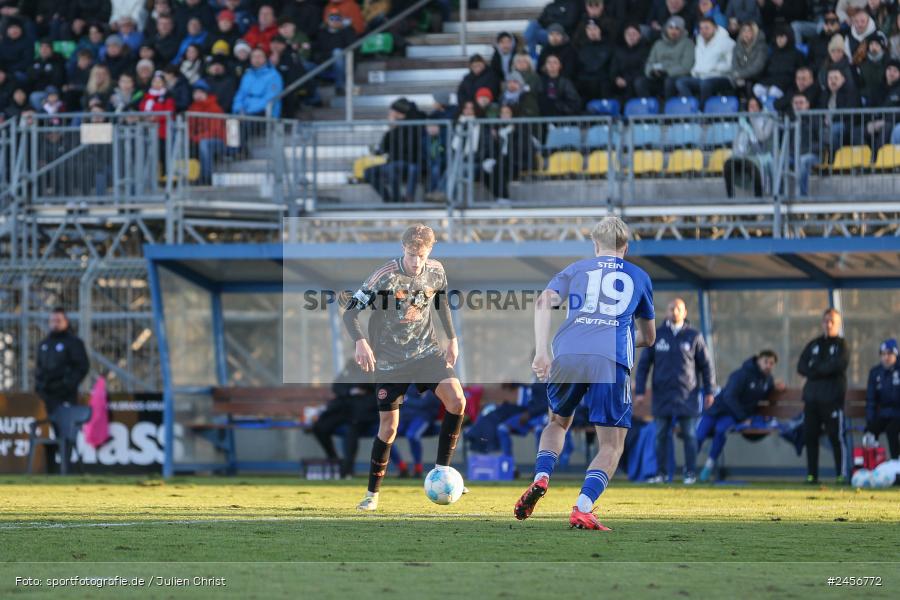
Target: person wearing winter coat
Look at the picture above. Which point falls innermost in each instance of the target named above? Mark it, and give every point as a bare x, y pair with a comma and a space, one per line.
558, 96
883, 397
671, 57
748, 61
504, 52
784, 60
559, 44
628, 62
479, 76
712, 63
594, 64
260, 84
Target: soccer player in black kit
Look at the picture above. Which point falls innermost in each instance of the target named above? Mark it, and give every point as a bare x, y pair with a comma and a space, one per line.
402, 348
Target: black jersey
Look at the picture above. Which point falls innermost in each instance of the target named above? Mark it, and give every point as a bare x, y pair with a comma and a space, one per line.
401, 327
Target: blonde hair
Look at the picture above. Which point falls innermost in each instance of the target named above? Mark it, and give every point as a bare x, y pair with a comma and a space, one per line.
611, 233
418, 236
93, 86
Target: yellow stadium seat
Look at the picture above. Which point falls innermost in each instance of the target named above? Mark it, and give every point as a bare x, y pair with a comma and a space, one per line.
888, 157
647, 162
682, 162
364, 162
564, 163
191, 170
598, 163
717, 161
852, 157
538, 167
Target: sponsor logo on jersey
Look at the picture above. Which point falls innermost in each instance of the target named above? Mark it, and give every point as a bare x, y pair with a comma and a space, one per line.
662, 346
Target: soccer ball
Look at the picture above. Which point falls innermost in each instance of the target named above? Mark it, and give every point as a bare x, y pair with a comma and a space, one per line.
862, 479
883, 475
444, 487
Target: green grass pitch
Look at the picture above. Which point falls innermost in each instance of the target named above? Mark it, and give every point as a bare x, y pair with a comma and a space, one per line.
282, 537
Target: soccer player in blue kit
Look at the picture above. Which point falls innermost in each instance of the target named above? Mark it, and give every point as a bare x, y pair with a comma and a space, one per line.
610, 312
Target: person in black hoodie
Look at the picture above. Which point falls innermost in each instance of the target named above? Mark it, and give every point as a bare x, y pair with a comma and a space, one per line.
479, 76
628, 61
560, 45
881, 128
61, 364
18, 104
804, 83
824, 363
783, 62
562, 12
178, 87
118, 57
594, 62
846, 128
221, 83
558, 98
818, 44
610, 16
332, 38
16, 50
166, 41
47, 69
405, 157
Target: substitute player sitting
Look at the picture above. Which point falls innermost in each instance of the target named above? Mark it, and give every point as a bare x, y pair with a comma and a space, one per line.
404, 349
592, 358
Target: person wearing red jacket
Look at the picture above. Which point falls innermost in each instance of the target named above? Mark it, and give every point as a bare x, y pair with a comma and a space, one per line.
349, 9
157, 99
207, 134
261, 34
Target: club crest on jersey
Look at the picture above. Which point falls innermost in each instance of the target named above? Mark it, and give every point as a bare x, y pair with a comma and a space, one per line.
662, 346
382, 394
815, 349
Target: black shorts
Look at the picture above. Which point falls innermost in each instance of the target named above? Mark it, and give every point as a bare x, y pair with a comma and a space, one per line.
425, 373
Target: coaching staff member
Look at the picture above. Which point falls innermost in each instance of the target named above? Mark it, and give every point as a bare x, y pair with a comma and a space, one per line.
883, 397
824, 364
62, 364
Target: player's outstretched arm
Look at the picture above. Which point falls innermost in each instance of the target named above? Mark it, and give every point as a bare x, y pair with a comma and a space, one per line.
646, 333
364, 356
547, 301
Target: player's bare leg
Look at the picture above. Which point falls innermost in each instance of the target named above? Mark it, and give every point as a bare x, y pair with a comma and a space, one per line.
450, 393
389, 420
611, 441
552, 440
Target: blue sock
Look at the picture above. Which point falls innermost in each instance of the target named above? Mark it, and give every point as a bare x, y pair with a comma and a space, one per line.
595, 481
546, 460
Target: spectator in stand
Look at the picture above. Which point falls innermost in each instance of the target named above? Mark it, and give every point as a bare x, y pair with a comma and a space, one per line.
809, 142
128, 31
206, 134
92, 42
479, 76
677, 358
222, 84
504, 51
261, 34
846, 8
290, 67
782, 12
671, 57
192, 64
519, 97
855, 44
837, 58
306, 15
403, 147
883, 397
159, 8
225, 30
784, 60
804, 83
6, 91
435, 149
179, 88
512, 153
241, 61
558, 45
296, 39
839, 95
711, 10
748, 62
331, 41
817, 44
157, 99
484, 98
99, 85
52, 105
813, 22
741, 11
664, 10
16, 50
558, 96
524, 66
190, 9
594, 65
598, 12
712, 63
736, 403
166, 42
143, 73
117, 56
126, 97
196, 36
243, 14
48, 69
562, 12
871, 71
260, 85
349, 10
881, 128
628, 61
18, 104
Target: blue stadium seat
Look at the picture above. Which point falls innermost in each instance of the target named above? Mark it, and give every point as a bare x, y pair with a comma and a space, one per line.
720, 134
895, 135
641, 106
682, 105
560, 138
683, 134
721, 104
645, 134
599, 136
604, 106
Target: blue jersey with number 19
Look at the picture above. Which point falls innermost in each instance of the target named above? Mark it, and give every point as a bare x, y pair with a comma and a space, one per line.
604, 294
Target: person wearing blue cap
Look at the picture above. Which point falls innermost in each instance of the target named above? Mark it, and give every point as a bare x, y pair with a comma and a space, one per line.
883, 397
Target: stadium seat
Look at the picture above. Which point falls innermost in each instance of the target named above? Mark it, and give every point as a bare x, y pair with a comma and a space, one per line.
599, 136
598, 163
852, 157
682, 162
721, 105
682, 105
888, 157
717, 160
895, 135
720, 134
562, 164
364, 162
380, 43
645, 134
563, 138
683, 134
604, 106
647, 162
641, 106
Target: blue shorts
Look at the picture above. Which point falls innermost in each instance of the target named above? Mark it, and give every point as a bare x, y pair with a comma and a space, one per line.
604, 387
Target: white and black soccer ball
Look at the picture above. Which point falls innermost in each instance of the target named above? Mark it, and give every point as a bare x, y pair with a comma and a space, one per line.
862, 478
884, 475
444, 486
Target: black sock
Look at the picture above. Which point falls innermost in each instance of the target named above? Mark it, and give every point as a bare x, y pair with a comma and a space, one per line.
381, 453
447, 438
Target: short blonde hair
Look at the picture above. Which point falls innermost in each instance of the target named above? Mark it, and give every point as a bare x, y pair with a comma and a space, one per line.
611, 233
418, 236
